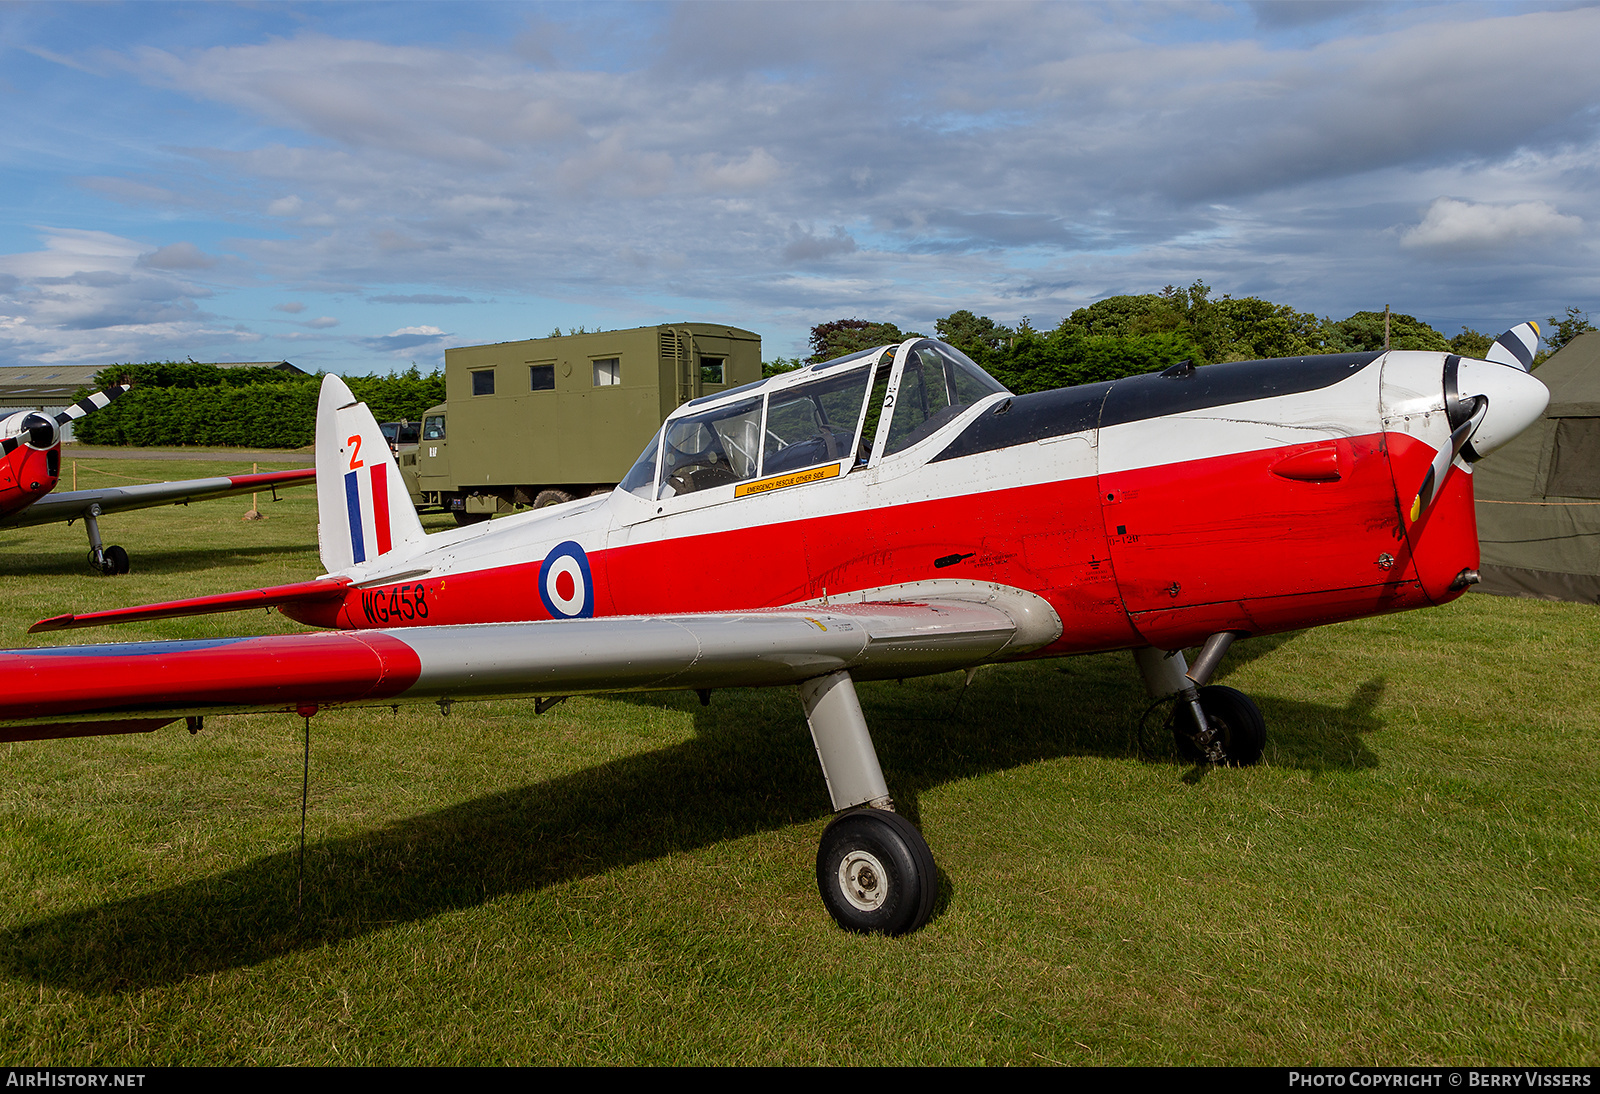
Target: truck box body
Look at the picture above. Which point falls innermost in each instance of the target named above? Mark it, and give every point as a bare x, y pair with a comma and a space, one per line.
568, 414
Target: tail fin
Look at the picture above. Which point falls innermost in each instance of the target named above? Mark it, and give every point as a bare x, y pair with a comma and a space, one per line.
363, 510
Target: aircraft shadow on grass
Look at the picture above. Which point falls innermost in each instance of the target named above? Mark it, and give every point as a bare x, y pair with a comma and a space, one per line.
70, 563
750, 768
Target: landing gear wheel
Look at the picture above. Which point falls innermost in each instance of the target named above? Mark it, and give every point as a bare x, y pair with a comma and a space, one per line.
1241, 730
112, 560
550, 497
876, 874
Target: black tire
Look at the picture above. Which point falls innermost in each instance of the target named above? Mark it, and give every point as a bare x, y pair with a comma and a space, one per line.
464, 518
117, 559
876, 874
550, 497
1243, 730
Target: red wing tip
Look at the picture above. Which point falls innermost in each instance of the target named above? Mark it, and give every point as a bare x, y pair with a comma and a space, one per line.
281, 478
54, 623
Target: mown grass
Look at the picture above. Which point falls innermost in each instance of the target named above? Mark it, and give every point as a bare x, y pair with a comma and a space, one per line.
1409, 877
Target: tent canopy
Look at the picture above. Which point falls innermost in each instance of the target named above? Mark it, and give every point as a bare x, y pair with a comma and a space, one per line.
1538, 498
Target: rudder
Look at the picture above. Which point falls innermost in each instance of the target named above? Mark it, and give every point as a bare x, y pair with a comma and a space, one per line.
363, 511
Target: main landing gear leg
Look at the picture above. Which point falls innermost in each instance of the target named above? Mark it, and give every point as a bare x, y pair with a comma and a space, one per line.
874, 870
108, 560
1214, 724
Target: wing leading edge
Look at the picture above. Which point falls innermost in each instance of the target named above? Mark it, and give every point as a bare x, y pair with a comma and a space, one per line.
137, 686
71, 504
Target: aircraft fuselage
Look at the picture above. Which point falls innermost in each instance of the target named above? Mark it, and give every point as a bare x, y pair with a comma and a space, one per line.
1154, 510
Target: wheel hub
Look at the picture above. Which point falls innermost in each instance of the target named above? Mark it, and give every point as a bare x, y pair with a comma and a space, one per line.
861, 880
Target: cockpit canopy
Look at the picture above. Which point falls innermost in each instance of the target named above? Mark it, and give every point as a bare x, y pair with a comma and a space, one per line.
830, 418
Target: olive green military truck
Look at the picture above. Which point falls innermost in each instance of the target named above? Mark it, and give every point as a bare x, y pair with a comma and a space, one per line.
547, 420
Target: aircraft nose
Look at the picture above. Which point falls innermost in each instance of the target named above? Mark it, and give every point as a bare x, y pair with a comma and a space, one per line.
1515, 399
41, 431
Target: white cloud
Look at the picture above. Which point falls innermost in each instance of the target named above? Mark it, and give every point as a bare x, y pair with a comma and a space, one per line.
91, 295
1453, 225
322, 322
178, 256
749, 173
805, 247
1009, 157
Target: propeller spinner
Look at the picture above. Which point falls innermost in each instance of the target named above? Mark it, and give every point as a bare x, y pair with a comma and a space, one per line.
1488, 403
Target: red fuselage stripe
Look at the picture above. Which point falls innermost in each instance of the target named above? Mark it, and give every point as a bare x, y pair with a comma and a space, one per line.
1176, 552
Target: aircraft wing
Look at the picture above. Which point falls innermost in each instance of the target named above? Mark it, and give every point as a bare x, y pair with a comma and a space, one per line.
137, 686
298, 592
72, 504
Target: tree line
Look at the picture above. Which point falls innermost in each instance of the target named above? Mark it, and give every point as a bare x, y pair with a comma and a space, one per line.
173, 403
1131, 334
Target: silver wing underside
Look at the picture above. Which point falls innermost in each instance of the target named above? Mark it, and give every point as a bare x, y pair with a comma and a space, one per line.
969, 623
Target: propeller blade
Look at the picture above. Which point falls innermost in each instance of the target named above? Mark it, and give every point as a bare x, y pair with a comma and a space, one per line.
1433, 481
96, 401
1516, 347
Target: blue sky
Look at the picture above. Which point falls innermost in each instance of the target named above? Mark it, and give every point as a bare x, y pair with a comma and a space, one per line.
354, 187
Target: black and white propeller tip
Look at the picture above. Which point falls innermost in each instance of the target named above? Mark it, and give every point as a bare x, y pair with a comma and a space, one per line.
97, 401
1516, 347
1489, 402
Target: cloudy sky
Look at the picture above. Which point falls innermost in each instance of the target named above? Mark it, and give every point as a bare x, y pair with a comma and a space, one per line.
356, 187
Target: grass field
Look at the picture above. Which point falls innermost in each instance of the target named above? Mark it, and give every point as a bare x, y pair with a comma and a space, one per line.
1409, 877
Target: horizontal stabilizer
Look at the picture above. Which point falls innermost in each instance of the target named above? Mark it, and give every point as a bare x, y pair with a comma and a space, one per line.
300, 592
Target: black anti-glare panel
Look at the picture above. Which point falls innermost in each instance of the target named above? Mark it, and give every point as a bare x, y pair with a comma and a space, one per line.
1022, 419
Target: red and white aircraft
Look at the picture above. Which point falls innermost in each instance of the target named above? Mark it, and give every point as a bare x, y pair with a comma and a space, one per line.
887, 514
30, 466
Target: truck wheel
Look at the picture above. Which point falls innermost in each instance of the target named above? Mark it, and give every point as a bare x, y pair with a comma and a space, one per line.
550, 497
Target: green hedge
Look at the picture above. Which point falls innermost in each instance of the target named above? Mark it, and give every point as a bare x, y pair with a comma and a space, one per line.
188, 404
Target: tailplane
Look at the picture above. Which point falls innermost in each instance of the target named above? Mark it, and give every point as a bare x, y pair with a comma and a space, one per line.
363, 511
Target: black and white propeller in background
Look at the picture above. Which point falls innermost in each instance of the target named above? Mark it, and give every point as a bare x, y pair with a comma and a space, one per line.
42, 431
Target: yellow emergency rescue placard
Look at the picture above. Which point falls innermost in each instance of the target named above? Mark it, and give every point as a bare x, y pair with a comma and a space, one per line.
778, 482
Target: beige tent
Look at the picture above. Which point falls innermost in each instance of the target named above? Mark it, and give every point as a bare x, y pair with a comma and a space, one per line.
1539, 496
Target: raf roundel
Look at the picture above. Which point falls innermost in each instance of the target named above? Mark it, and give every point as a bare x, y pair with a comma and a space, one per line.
564, 583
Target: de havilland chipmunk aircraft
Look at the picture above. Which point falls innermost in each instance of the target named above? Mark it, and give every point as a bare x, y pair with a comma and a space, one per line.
887, 514
30, 466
